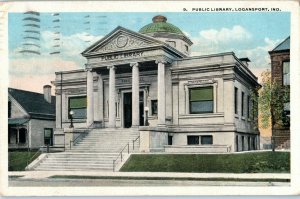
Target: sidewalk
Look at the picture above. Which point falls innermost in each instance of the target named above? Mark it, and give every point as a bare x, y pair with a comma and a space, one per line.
93, 174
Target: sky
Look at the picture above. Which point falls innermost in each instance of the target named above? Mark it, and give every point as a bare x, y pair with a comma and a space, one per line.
247, 34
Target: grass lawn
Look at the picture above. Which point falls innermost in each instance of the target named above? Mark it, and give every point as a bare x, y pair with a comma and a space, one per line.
17, 160
257, 162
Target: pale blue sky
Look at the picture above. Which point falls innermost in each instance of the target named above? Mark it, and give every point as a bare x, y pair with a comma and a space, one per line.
275, 25
248, 34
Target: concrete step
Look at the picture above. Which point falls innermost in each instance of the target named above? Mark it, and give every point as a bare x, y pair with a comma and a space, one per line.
71, 169
96, 151
48, 168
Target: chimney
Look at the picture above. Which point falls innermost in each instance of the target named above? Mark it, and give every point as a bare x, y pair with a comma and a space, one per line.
245, 61
47, 93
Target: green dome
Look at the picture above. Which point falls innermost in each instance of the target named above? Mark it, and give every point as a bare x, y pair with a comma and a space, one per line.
160, 25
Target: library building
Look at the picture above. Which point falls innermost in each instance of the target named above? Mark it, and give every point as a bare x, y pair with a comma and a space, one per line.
145, 86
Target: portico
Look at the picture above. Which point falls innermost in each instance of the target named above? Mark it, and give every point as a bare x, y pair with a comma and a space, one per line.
136, 85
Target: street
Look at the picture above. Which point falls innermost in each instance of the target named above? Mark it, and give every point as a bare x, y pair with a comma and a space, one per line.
59, 182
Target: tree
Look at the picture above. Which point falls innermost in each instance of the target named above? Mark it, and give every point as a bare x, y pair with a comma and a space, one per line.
272, 97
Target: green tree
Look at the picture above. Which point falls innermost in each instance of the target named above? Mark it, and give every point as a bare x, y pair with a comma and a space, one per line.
272, 97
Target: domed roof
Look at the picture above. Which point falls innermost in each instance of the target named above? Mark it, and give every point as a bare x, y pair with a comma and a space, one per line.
160, 24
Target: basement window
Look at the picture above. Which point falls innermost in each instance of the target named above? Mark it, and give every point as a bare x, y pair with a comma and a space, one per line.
193, 140
206, 139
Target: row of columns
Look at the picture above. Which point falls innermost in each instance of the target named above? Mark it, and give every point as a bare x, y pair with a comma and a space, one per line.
161, 96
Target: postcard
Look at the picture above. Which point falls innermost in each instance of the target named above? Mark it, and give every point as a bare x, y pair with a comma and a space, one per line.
149, 98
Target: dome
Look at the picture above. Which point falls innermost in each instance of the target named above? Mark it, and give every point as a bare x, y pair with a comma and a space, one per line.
160, 24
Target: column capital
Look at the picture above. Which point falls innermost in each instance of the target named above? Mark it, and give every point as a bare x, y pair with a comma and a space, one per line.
161, 61
88, 69
111, 67
134, 64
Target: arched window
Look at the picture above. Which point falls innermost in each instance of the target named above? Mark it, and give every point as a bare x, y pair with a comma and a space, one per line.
22, 135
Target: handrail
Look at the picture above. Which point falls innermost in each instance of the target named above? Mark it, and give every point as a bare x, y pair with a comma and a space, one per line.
38, 151
73, 141
81, 135
133, 141
120, 155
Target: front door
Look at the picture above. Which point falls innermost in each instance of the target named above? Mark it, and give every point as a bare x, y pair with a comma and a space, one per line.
141, 101
127, 109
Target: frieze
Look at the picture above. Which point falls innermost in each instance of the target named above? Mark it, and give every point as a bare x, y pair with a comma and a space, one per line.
72, 91
129, 80
200, 81
121, 56
122, 42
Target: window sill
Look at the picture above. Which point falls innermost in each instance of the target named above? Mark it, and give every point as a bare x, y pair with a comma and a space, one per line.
236, 116
202, 115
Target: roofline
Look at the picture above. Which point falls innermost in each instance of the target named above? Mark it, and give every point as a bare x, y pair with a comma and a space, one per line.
279, 51
208, 55
163, 44
222, 54
69, 71
110, 34
280, 44
28, 91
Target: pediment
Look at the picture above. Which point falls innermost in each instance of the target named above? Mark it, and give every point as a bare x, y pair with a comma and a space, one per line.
121, 39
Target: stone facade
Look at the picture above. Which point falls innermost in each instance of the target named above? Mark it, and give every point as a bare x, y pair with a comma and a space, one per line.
149, 86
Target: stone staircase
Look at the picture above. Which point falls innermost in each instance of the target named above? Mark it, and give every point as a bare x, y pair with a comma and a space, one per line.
94, 152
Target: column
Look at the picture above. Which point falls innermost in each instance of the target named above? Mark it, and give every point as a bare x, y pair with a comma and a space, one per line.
100, 98
112, 96
58, 110
161, 93
90, 98
135, 95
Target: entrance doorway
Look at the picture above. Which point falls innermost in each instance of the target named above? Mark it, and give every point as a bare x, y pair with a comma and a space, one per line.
127, 109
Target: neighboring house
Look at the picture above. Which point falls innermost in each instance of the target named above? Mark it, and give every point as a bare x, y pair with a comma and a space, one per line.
31, 118
192, 104
280, 68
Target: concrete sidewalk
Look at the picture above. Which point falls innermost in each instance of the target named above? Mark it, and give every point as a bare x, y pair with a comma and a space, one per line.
47, 174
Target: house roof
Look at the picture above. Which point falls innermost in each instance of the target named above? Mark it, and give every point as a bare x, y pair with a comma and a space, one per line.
285, 45
17, 121
34, 103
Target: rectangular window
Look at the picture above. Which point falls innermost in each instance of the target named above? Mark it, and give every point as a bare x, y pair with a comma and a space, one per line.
242, 103
286, 73
172, 43
170, 140
154, 107
243, 143
248, 106
78, 105
48, 136
186, 48
248, 143
193, 140
235, 100
201, 100
9, 109
206, 139
237, 142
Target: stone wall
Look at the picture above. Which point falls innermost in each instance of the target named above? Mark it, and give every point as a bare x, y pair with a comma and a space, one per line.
277, 59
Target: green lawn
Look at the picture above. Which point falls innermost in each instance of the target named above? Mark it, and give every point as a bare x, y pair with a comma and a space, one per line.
17, 160
257, 162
